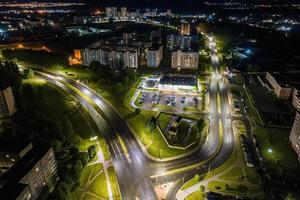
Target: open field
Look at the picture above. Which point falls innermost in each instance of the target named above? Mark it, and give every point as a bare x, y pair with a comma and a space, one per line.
282, 159
194, 196
92, 183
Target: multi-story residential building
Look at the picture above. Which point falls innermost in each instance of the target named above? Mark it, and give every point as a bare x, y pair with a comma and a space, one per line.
154, 55
11, 152
185, 59
124, 13
128, 38
185, 29
296, 99
111, 12
295, 134
183, 42
7, 102
115, 57
280, 86
33, 172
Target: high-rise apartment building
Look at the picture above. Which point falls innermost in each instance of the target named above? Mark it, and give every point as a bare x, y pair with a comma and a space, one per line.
111, 12
185, 59
118, 57
154, 55
185, 29
33, 172
7, 102
295, 134
124, 13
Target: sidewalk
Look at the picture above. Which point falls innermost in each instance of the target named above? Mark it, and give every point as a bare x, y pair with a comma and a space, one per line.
106, 165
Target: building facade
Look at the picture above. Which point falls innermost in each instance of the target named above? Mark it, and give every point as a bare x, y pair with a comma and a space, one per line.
35, 170
124, 13
7, 102
183, 42
154, 56
296, 99
282, 90
185, 59
114, 57
295, 134
185, 29
111, 12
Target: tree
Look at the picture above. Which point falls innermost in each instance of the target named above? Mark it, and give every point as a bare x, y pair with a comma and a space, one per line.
137, 111
202, 188
197, 177
253, 68
92, 151
57, 145
200, 124
290, 197
28, 73
151, 123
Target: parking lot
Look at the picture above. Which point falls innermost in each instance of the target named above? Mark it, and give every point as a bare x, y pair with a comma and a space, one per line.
173, 101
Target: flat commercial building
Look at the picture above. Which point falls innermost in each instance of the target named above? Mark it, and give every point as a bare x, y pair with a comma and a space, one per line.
7, 102
33, 172
154, 55
185, 59
177, 83
295, 134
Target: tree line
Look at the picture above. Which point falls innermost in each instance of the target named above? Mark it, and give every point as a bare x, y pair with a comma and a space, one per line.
36, 57
119, 80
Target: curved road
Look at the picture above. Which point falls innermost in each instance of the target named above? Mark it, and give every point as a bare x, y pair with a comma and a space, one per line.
135, 170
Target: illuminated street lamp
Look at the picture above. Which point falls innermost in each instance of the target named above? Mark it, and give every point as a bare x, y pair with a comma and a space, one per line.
270, 150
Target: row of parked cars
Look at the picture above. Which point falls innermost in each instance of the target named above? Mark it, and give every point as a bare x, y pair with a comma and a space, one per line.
246, 150
156, 98
170, 100
258, 153
237, 105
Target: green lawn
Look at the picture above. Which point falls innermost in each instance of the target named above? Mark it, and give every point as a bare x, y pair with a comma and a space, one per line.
233, 174
58, 105
114, 183
163, 120
192, 182
99, 186
277, 150
252, 176
194, 196
229, 188
92, 180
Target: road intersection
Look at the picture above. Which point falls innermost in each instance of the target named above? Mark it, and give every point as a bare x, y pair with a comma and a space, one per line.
137, 174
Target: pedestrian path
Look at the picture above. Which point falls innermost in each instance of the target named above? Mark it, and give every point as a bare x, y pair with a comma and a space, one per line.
106, 165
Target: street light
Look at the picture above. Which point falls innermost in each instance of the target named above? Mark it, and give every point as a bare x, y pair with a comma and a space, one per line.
270, 150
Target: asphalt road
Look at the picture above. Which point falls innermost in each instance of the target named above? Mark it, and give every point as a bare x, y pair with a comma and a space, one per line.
134, 170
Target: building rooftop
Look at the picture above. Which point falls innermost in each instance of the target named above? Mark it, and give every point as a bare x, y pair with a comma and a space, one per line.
178, 80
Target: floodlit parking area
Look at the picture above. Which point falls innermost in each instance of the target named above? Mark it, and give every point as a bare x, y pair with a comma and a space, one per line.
177, 102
